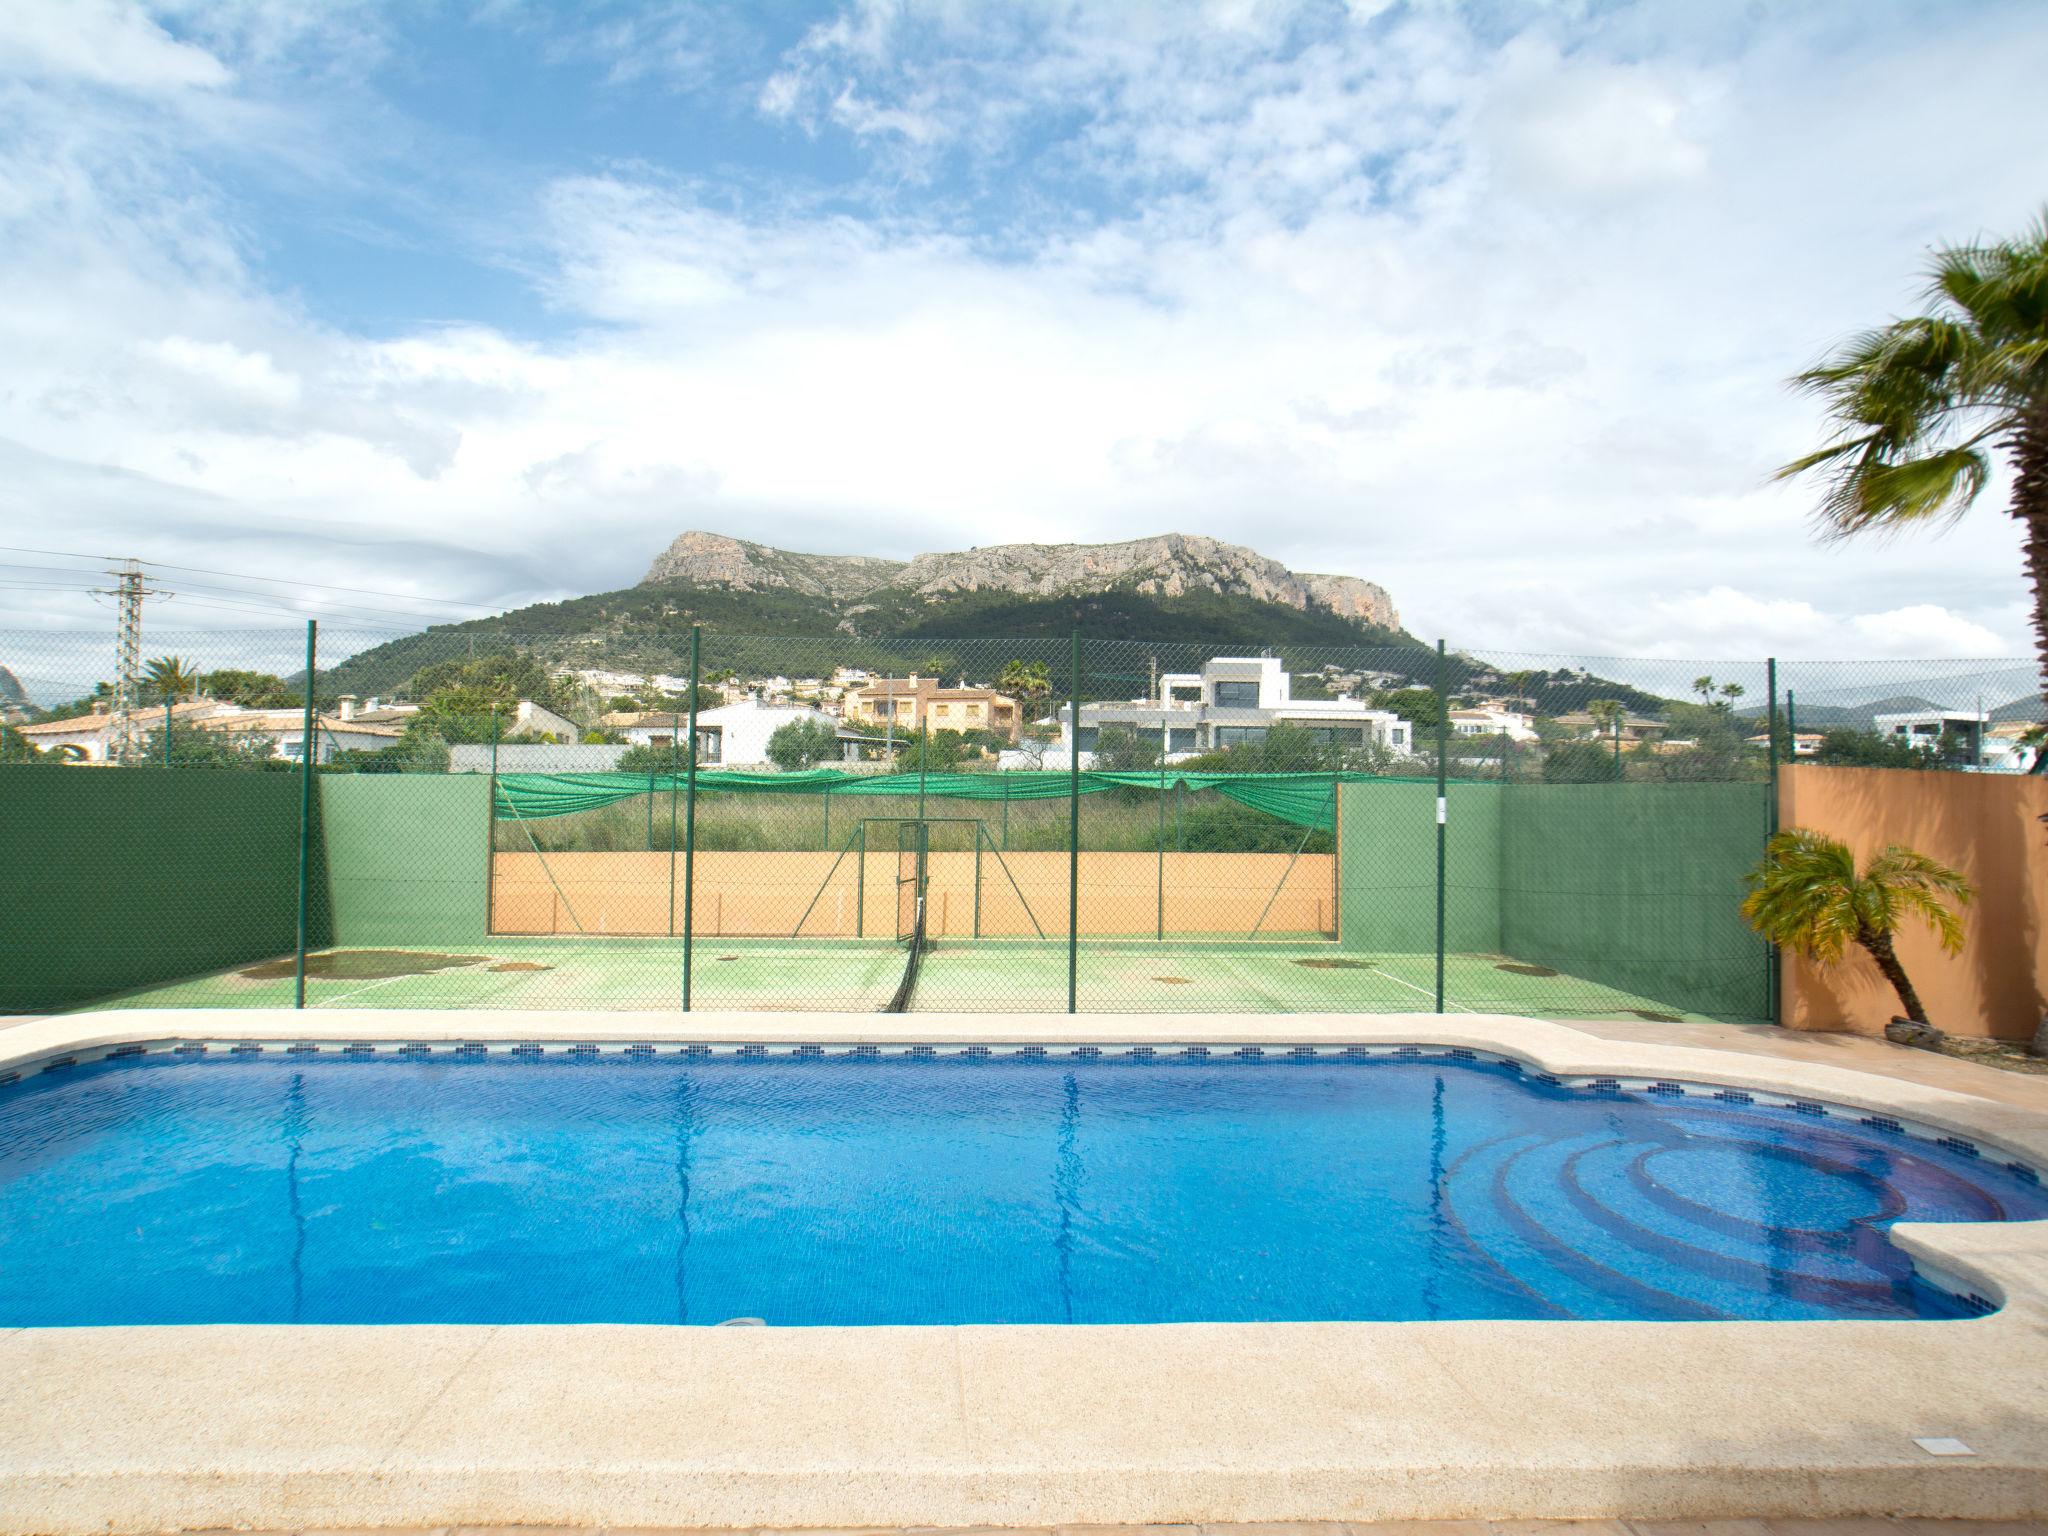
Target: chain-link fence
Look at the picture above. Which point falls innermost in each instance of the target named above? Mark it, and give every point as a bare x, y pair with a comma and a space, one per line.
714, 821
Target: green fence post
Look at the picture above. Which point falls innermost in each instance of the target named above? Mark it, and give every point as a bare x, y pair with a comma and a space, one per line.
673, 751
305, 813
1443, 806
1772, 971
1161, 835
690, 816
491, 833
1074, 827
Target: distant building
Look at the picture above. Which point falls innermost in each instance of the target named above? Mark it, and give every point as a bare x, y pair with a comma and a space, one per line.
1804, 743
1490, 721
731, 735
86, 737
1925, 728
913, 703
1232, 700
1633, 727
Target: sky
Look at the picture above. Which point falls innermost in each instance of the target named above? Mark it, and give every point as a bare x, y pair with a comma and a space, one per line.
465, 304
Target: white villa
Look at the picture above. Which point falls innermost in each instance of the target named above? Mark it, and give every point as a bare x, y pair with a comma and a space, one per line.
1489, 720
731, 736
1232, 699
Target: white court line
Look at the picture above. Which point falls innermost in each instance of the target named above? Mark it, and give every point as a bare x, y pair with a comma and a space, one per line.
1424, 991
329, 1002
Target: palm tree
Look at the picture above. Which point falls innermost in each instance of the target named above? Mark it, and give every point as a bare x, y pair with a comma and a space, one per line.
1026, 680
1920, 405
1808, 896
170, 679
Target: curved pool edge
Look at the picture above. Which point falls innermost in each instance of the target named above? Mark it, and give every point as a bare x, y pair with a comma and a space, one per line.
275, 1426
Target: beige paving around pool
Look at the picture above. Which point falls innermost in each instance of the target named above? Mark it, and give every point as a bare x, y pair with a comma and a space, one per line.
141, 1429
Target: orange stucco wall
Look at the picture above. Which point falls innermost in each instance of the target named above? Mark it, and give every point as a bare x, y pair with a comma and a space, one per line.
1986, 825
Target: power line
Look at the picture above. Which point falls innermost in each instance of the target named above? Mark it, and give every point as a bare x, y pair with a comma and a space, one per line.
197, 570
368, 618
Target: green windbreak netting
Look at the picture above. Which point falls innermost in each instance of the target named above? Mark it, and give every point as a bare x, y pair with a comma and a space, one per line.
1305, 799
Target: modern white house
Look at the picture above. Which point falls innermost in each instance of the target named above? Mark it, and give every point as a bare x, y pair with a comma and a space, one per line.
1924, 728
731, 736
1232, 700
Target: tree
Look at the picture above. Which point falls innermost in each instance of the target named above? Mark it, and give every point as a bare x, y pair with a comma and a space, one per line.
251, 690
415, 751
1418, 706
170, 679
1120, 749
802, 744
1580, 762
1025, 680
1808, 896
197, 747
1919, 406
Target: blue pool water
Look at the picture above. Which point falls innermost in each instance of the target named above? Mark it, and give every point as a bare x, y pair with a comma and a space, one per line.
266, 1188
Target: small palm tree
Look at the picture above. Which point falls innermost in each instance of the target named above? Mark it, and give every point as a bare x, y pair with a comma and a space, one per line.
170, 678
1026, 680
1808, 896
1919, 406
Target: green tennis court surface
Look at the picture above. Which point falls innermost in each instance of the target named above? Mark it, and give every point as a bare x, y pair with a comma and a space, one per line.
987, 976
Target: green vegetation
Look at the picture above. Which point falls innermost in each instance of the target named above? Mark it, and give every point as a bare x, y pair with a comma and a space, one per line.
1581, 762
803, 744
169, 680
194, 748
1808, 896
1193, 822
1919, 405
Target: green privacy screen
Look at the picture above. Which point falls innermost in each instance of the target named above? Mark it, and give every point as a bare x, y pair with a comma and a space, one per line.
1386, 876
111, 881
404, 859
1631, 887
1638, 887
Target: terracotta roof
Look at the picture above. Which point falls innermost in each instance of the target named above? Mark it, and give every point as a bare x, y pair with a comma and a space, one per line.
143, 719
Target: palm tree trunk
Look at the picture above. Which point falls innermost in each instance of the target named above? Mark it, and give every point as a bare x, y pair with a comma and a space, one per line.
2030, 506
1880, 947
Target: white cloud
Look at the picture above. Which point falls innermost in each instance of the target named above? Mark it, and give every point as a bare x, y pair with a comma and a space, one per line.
1504, 329
105, 42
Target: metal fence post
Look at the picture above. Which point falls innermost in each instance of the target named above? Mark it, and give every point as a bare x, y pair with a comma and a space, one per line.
690, 816
305, 812
1074, 828
673, 750
1160, 835
1772, 960
1443, 806
491, 833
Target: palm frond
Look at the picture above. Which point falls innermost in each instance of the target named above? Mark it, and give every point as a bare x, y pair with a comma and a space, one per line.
1917, 886
1936, 488
1802, 896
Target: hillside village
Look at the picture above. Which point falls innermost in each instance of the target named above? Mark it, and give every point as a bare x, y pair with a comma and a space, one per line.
510, 713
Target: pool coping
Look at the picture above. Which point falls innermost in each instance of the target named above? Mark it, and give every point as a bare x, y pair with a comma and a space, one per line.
136, 1428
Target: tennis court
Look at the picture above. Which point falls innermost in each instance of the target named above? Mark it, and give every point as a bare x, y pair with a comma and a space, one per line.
1003, 976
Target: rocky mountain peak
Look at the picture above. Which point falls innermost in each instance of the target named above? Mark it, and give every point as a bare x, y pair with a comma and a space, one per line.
1166, 565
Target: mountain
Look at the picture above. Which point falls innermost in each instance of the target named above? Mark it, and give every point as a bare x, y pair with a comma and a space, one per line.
1185, 596
1170, 565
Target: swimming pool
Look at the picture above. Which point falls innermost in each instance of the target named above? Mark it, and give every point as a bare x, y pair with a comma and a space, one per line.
905, 1185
